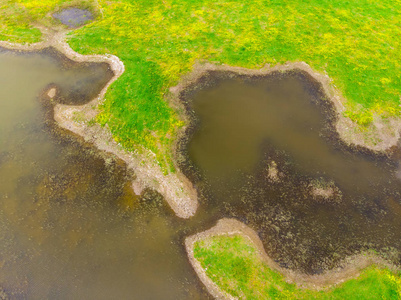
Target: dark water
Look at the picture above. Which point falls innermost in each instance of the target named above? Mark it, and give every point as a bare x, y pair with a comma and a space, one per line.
245, 126
73, 17
70, 225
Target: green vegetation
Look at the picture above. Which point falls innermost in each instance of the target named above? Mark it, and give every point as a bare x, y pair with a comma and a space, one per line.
355, 42
233, 263
13, 25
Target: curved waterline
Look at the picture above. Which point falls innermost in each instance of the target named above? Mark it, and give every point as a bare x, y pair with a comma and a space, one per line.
349, 269
102, 138
176, 189
277, 172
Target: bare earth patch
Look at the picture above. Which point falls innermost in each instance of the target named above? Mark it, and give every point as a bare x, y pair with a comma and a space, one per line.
322, 191
52, 92
272, 172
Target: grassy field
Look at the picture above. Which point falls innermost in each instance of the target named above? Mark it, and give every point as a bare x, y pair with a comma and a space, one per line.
355, 42
234, 265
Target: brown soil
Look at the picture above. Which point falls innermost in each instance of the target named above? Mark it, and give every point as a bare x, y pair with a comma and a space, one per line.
272, 172
321, 192
52, 92
324, 192
350, 268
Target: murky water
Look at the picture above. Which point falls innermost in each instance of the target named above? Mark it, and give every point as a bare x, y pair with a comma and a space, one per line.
264, 150
73, 17
261, 149
70, 226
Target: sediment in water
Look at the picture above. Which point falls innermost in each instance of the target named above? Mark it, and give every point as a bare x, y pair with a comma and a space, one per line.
350, 268
148, 173
175, 188
380, 136
349, 265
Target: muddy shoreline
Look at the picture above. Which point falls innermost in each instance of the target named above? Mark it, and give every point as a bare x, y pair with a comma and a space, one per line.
346, 135
350, 268
379, 137
334, 130
176, 189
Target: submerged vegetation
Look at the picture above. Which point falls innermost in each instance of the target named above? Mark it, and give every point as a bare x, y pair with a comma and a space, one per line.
353, 42
234, 264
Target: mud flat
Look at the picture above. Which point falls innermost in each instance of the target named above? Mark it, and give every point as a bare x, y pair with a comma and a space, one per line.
175, 188
349, 269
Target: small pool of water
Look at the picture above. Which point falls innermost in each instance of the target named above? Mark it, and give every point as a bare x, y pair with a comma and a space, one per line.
263, 149
73, 17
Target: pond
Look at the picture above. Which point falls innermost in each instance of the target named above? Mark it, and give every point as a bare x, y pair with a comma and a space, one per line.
261, 149
70, 226
264, 150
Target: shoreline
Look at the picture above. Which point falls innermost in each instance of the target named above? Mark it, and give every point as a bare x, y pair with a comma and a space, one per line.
176, 189
379, 137
350, 267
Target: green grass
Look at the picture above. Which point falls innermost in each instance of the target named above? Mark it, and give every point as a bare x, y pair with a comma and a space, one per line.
356, 42
233, 264
13, 25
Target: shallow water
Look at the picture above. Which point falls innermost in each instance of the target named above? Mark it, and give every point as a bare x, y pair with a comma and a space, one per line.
73, 17
70, 225
245, 126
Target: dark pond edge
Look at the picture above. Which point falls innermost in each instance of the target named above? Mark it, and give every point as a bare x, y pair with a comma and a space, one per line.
57, 16
210, 78
349, 134
329, 103
187, 204
349, 269
176, 189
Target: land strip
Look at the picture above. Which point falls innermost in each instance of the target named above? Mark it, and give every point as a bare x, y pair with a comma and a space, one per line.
350, 268
175, 188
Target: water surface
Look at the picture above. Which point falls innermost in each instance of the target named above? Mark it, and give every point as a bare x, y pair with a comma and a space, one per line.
70, 225
73, 17
247, 129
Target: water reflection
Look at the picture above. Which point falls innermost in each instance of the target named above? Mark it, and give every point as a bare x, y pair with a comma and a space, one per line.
263, 149
70, 226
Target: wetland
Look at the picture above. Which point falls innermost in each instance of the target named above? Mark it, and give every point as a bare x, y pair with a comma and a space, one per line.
264, 150
260, 149
70, 225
